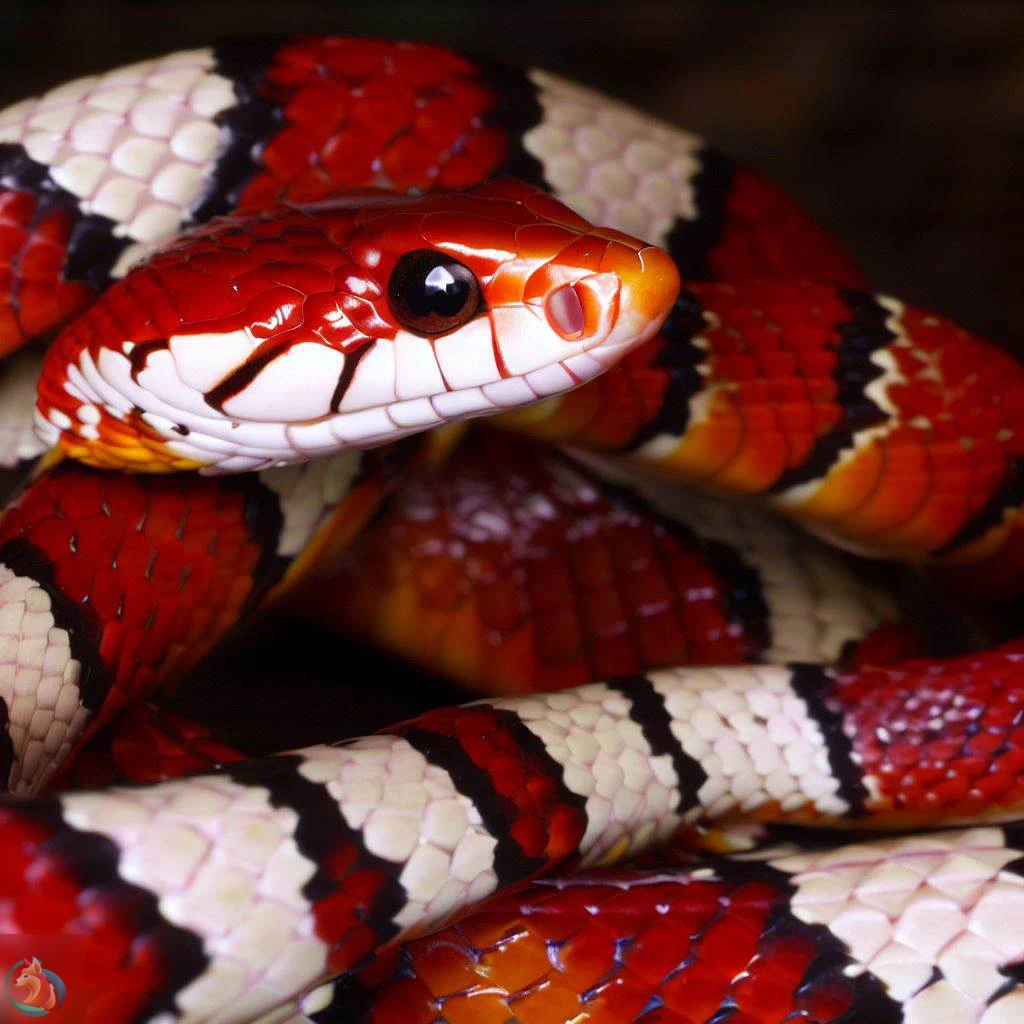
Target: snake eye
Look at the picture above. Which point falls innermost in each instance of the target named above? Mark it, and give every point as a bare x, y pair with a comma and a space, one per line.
431, 293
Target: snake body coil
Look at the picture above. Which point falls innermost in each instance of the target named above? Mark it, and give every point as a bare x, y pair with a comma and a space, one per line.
379, 238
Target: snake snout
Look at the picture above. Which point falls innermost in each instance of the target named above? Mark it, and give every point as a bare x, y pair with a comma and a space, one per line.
627, 297
650, 284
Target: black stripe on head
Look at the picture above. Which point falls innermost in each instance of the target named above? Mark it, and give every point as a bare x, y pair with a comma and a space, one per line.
863, 334
323, 836
92, 248
812, 684
680, 358
647, 709
691, 242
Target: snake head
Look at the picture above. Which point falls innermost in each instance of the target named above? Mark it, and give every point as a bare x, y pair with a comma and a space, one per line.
264, 339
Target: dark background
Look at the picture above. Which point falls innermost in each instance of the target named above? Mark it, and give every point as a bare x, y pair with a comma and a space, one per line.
901, 129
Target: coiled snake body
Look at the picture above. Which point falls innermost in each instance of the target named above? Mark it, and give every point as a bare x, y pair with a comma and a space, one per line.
326, 317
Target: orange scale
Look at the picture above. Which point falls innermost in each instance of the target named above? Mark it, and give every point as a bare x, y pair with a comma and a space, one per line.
481, 1006
520, 963
846, 487
444, 963
937, 522
761, 459
552, 1000
621, 998
541, 204
708, 446
893, 505
537, 241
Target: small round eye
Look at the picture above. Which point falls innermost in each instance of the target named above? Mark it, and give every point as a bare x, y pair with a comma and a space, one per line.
431, 293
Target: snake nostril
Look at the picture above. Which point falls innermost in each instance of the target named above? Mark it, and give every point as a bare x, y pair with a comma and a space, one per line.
565, 312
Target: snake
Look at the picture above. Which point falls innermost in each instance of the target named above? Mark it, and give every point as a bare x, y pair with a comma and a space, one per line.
271, 267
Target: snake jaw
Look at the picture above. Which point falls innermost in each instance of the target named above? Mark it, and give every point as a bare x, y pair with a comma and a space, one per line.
264, 340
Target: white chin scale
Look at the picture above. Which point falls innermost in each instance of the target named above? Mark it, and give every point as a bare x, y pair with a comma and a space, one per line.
284, 414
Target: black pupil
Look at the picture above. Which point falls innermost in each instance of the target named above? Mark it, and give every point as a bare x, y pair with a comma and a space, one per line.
432, 293
443, 291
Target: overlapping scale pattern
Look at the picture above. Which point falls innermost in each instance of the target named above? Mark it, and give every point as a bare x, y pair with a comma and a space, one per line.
883, 427
360, 113
35, 296
941, 739
613, 949
145, 744
113, 585
512, 568
612, 162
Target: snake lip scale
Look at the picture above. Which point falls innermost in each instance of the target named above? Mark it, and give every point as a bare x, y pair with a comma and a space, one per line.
713, 777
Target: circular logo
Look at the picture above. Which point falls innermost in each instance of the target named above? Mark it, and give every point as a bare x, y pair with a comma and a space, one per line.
32, 989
